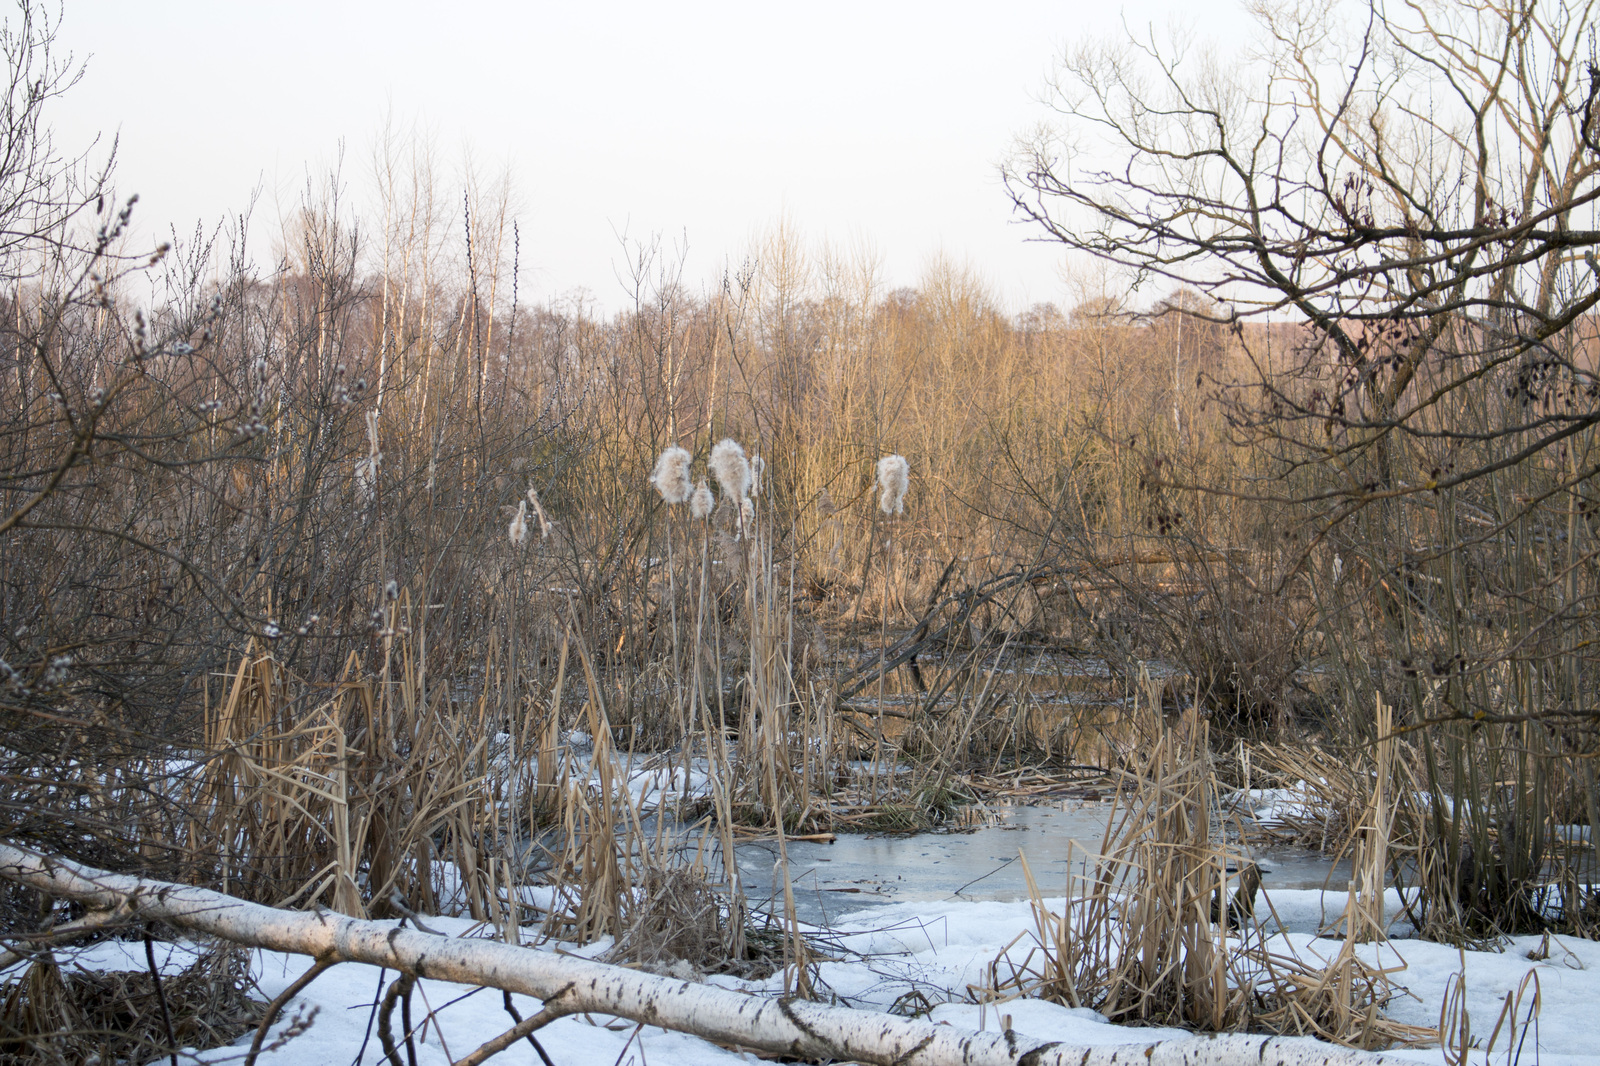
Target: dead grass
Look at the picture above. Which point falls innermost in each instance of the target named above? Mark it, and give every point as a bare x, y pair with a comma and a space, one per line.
1161, 928
344, 795
676, 923
57, 1013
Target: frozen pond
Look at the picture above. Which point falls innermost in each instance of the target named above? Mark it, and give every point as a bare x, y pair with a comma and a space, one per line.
981, 864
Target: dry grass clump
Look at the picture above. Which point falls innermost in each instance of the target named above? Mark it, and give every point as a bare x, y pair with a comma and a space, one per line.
1159, 930
351, 797
1331, 792
53, 1012
678, 924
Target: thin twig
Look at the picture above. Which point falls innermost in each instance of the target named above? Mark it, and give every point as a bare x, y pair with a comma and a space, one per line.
511, 1036
516, 1016
377, 997
89, 923
402, 983
282, 1000
161, 996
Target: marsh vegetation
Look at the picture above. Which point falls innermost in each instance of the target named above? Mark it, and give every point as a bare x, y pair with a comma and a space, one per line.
358, 581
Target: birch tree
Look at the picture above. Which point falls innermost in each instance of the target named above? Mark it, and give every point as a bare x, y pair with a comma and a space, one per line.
569, 985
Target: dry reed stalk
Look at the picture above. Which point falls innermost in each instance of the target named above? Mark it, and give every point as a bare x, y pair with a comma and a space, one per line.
342, 799
1364, 919
591, 818
1150, 933
538, 513
545, 794
712, 726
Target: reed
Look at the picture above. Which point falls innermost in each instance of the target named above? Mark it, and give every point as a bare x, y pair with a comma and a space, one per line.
397, 670
1165, 926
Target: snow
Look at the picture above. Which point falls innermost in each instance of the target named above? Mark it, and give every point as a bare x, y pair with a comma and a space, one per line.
934, 953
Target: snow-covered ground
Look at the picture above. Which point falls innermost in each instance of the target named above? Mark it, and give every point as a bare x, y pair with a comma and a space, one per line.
937, 950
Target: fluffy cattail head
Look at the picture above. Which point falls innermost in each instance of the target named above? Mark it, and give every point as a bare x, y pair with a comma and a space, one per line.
671, 477
519, 525
366, 480
702, 502
731, 468
894, 477
758, 467
538, 512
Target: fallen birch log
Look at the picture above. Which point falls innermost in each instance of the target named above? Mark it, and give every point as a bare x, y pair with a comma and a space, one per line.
569, 985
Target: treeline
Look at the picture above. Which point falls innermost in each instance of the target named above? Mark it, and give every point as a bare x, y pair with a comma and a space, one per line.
263, 453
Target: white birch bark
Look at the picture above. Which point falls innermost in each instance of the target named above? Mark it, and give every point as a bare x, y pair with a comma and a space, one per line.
568, 985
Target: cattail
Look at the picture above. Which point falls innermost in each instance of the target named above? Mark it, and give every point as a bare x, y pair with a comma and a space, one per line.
538, 512
894, 477
758, 467
671, 477
731, 469
702, 502
519, 525
366, 481
747, 512
367, 469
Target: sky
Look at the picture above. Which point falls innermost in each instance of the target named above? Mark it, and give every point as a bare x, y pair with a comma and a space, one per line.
703, 124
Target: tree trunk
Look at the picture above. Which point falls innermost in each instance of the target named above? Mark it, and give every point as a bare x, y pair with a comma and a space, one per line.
570, 985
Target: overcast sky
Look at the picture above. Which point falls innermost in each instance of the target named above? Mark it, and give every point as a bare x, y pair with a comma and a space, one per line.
856, 121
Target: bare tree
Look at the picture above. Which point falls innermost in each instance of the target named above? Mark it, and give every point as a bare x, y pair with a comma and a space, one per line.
1406, 192
1415, 181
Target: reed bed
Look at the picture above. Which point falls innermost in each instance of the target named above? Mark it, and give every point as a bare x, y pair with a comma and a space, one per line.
385, 594
1166, 925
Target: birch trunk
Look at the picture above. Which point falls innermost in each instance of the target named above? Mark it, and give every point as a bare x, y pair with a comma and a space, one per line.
570, 985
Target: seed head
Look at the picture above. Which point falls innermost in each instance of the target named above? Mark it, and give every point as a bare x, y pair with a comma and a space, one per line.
366, 480
731, 468
702, 502
519, 525
671, 477
538, 512
894, 477
56, 674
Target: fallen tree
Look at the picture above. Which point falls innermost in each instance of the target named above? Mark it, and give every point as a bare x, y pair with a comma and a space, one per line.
568, 985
